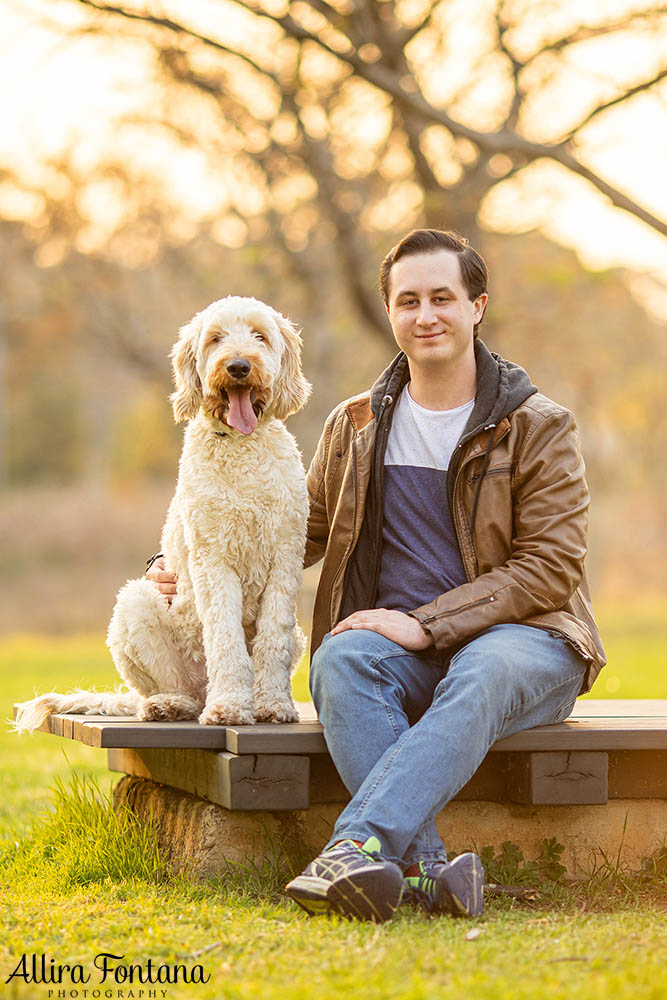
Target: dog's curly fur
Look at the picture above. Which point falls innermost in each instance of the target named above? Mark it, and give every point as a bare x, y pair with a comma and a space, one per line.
234, 534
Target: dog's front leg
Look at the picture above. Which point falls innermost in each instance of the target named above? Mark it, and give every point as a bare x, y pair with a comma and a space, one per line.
219, 602
279, 643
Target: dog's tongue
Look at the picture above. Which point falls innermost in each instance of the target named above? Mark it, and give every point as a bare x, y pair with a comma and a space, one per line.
240, 413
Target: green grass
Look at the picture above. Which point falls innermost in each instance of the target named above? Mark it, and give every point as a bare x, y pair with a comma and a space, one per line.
77, 879
635, 638
88, 880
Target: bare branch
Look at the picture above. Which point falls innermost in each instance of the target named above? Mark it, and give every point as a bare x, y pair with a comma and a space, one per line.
504, 141
177, 28
619, 99
585, 32
561, 155
502, 27
407, 34
385, 79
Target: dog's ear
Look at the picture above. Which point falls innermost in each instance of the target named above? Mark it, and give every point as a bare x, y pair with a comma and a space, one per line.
292, 390
188, 396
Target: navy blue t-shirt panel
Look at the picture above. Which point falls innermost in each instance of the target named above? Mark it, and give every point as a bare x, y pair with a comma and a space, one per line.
420, 554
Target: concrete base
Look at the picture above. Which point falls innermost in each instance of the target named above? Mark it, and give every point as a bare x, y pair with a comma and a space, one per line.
202, 837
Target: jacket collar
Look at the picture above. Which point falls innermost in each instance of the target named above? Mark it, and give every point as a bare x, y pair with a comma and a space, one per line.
501, 387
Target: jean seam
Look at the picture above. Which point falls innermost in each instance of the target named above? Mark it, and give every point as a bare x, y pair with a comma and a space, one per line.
377, 683
380, 779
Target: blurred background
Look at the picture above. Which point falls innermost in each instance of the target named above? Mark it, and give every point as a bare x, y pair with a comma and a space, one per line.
160, 155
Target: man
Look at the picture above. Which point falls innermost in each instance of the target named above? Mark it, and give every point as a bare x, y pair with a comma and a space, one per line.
450, 507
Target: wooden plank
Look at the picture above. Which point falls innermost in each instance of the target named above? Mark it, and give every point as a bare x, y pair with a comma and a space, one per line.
590, 734
271, 737
561, 778
248, 783
607, 708
631, 774
624, 730
627, 708
150, 734
574, 734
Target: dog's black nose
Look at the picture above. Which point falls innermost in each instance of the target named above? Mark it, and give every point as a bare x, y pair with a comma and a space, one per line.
238, 367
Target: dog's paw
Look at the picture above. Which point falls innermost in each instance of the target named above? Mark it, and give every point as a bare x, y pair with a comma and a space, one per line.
168, 708
276, 712
226, 715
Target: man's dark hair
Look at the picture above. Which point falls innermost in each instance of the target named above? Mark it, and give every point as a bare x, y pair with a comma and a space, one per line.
472, 266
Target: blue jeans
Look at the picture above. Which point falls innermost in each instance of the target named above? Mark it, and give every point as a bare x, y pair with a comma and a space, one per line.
407, 730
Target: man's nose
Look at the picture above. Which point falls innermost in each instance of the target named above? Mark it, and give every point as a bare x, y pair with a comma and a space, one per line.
425, 313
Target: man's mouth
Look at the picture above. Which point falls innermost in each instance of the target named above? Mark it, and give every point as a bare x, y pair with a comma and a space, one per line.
430, 336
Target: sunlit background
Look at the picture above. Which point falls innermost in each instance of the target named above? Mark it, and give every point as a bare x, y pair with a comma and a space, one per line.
155, 156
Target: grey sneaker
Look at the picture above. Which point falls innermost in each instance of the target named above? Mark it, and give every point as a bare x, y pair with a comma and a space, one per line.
455, 887
357, 882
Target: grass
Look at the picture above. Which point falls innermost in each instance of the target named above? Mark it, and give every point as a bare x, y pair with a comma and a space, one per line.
635, 637
70, 894
78, 879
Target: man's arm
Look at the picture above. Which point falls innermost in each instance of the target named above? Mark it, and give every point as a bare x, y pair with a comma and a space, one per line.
317, 530
550, 516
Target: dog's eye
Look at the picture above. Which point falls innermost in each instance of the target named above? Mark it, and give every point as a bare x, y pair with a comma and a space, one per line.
258, 336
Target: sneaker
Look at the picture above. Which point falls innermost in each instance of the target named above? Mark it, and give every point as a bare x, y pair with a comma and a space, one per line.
455, 887
357, 882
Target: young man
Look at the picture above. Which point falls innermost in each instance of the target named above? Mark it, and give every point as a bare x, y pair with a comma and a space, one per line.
450, 506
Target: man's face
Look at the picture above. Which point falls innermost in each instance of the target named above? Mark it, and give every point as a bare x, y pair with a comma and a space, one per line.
429, 310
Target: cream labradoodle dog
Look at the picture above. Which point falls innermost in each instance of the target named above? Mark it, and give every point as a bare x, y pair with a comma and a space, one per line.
224, 650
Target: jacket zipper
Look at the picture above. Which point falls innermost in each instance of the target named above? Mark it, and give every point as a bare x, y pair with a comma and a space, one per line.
459, 466
465, 607
380, 449
489, 472
343, 562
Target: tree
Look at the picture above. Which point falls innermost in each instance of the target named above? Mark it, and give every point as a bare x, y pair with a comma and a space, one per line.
353, 118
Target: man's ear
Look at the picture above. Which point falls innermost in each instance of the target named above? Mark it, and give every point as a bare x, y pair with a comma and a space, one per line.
292, 390
480, 304
188, 396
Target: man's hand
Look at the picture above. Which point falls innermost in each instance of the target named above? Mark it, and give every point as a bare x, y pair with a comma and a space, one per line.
394, 625
164, 581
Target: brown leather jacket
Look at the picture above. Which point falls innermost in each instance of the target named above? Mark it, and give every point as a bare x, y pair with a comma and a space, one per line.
519, 504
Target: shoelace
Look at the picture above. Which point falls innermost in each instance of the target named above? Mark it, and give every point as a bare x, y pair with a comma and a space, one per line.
373, 855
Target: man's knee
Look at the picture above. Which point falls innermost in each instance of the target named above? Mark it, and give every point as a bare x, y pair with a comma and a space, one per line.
342, 657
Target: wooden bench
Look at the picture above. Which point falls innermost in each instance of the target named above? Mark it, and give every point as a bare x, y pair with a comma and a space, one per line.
606, 750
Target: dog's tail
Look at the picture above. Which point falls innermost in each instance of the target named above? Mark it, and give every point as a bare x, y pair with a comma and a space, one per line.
31, 714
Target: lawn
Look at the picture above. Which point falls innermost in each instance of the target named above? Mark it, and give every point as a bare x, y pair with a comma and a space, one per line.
605, 942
